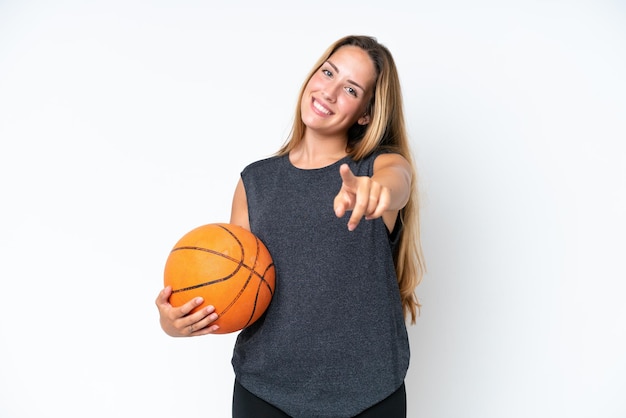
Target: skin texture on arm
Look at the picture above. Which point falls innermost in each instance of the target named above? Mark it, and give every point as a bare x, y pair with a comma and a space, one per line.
381, 195
239, 210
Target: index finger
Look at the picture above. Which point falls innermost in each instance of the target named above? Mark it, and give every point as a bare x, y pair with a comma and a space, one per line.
348, 178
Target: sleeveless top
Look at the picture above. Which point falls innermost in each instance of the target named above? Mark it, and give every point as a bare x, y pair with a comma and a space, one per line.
333, 341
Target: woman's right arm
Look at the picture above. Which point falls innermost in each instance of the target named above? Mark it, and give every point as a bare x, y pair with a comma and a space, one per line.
177, 321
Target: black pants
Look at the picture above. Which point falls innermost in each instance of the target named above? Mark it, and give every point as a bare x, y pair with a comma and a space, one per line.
247, 405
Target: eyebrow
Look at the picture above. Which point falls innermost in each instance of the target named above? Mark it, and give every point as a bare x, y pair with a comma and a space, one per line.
337, 71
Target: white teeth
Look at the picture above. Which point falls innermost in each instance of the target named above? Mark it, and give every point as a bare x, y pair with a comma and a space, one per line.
321, 108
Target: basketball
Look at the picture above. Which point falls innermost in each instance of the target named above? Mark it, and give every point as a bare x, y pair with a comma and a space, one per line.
229, 267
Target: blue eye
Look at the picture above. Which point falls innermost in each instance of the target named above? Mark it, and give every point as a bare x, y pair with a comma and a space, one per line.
351, 91
327, 73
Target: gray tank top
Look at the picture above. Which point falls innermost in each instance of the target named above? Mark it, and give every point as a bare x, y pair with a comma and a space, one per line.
333, 341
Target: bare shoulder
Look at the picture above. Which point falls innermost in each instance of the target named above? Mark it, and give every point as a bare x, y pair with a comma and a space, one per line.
239, 210
390, 159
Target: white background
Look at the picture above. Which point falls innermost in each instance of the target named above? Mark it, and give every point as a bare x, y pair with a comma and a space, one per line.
124, 124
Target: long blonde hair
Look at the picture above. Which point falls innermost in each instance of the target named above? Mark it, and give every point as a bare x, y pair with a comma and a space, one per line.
386, 131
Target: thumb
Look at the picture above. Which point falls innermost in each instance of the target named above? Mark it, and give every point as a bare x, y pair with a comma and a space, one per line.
164, 296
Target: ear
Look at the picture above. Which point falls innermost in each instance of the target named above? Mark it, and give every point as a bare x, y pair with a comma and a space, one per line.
364, 120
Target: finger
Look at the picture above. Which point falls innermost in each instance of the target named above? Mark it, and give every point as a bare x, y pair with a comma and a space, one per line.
349, 179
342, 203
194, 331
384, 199
373, 200
200, 322
191, 305
360, 206
164, 296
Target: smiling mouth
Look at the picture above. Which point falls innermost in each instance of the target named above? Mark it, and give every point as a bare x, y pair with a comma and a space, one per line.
322, 109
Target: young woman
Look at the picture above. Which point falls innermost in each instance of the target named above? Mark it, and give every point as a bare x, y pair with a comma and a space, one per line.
337, 208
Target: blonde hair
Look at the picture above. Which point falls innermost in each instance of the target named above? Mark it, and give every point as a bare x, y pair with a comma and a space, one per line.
386, 131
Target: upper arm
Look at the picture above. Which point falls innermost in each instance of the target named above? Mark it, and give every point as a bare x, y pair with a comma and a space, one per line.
239, 210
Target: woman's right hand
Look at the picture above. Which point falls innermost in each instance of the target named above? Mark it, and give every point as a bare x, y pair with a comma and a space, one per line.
178, 322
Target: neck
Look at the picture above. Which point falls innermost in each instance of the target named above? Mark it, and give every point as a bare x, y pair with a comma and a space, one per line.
317, 153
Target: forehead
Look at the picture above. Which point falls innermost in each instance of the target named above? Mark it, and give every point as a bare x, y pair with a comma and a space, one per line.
355, 64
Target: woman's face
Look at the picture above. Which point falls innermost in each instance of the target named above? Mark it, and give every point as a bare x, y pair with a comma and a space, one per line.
338, 93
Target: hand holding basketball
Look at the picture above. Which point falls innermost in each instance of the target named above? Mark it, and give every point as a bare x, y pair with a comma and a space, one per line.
219, 274
178, 322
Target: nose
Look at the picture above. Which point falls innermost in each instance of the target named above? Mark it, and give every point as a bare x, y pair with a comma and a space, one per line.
329, 93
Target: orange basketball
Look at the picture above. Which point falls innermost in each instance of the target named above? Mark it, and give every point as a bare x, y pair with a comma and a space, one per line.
229, 267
